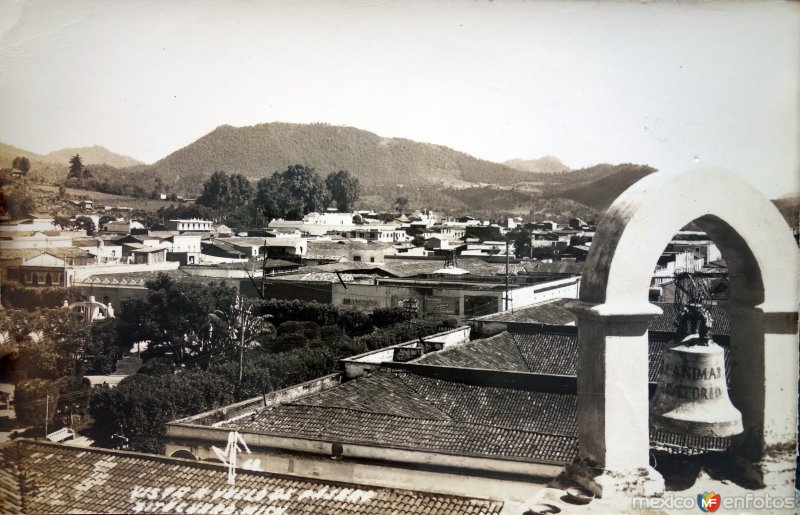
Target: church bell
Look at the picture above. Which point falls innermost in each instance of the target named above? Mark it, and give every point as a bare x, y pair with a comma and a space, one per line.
692, 394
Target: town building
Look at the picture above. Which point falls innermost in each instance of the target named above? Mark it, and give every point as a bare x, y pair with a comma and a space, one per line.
191, 224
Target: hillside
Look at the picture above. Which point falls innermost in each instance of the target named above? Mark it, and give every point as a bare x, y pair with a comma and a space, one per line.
546, 164
94, 155
598, 186
261, 150
429, 175
41, 169
789, 207
9, 152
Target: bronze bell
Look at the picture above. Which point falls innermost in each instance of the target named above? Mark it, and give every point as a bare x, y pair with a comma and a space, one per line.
692, 394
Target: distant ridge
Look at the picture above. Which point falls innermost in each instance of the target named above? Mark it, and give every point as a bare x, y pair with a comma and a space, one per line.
260, 150
598, 186
545, 164
9, 152
94, 155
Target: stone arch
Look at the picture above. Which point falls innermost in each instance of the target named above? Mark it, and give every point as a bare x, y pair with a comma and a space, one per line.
613, 312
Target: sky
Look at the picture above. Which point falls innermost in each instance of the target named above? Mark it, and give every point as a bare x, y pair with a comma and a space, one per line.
672, 85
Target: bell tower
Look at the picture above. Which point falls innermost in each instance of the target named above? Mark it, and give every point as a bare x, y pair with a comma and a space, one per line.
613, 313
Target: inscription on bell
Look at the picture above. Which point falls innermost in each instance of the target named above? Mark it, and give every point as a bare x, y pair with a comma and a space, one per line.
694, 393
696, 373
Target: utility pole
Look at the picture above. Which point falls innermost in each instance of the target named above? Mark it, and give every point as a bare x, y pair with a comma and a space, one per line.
507, 258
243, 324
264, 270
46, 412
411, 306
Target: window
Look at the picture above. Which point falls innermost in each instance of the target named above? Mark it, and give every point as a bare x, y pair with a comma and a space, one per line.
357, 258
372, 260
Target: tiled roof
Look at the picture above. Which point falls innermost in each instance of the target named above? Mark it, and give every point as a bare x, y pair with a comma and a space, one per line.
414, 267
666, 321
60, 252
553, 352
400, 409
556, 267
499, 352
555, 312
351, 426
135, 278
551, 312
61, 479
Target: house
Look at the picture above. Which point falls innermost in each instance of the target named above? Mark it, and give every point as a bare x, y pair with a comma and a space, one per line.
378, 233
191, 224
146, 255
121, 226
320, 251
27, 225
84, 205
48, 269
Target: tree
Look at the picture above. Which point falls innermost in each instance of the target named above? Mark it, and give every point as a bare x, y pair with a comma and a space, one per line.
75, 167
292, 193
142, 404
22, 164
216, 191
344, 189
46, 343
18, 201
522, 239
401, 203
85, 223
230, 196
175, 317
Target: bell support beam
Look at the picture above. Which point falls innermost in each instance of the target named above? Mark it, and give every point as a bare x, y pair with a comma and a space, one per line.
613, 412
764, 349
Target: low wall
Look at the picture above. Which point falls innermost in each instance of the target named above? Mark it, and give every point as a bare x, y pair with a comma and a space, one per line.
82, 272
247, 407
372, 465
361, 364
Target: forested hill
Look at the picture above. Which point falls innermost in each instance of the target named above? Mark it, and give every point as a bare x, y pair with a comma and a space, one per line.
597, 186
261, 150
94, 155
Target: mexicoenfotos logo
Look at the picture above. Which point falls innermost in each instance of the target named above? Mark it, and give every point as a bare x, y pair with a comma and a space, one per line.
708, 502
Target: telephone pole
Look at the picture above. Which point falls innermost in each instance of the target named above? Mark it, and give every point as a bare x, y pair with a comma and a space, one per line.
507, 258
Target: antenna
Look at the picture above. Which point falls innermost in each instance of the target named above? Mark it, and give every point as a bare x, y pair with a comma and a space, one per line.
229, 456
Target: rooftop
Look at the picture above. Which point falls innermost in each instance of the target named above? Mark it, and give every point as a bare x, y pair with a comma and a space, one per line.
65, 479
401, 409
555, 312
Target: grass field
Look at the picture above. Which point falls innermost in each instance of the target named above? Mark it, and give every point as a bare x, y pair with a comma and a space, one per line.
47, 200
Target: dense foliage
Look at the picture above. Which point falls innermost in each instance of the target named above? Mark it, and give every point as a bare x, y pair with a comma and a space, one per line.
16, 200
226, 194
292, 193
22, 164
344, 189
45, 344
189, 370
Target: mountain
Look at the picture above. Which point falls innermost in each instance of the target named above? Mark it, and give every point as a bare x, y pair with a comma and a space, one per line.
260, 150
9, 152
546, 164
789, 206
598, 186
94, 155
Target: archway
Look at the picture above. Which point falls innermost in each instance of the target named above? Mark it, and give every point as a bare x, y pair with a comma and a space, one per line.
613, 313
